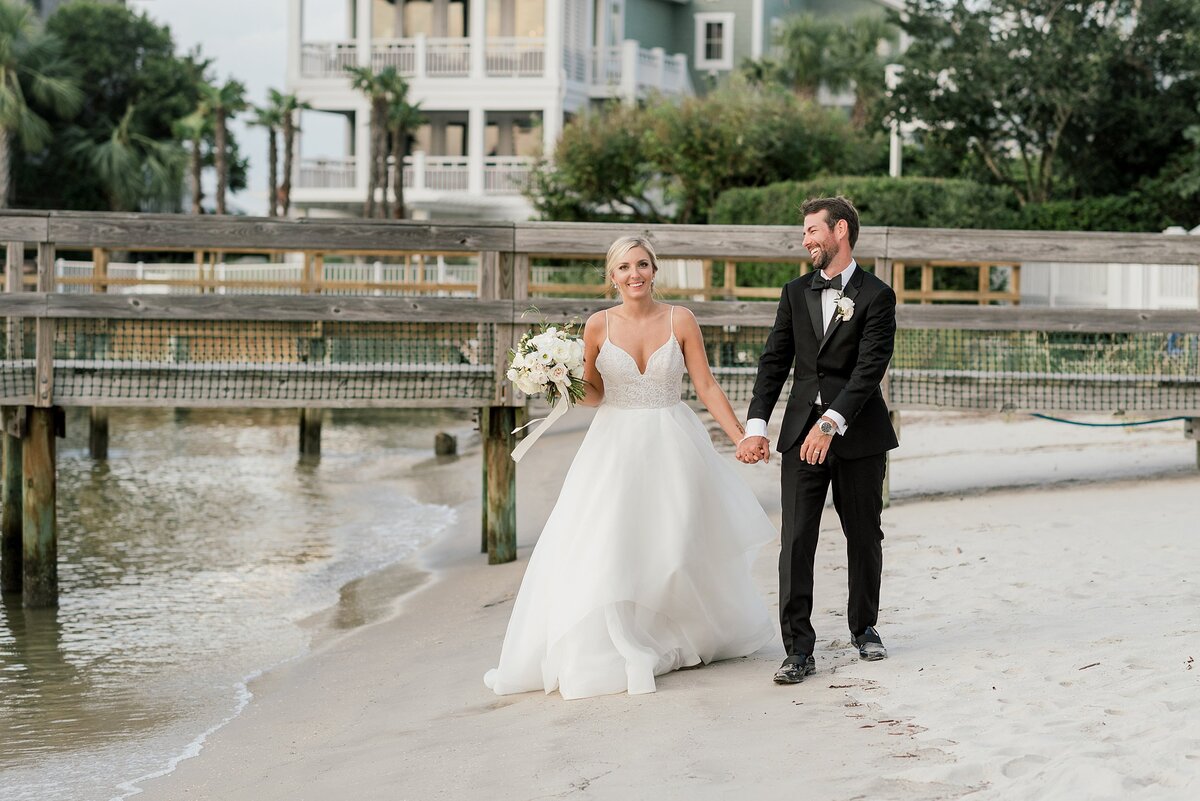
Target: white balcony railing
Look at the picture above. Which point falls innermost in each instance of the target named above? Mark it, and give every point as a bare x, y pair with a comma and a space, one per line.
448, 58
327, 59
502, 175
630, 71
506, 175
398, 53
515, 57
606, 66
326, 174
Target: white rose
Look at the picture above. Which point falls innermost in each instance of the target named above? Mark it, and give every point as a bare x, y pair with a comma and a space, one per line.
561, 351
577, 371
529, 386
558, 374
845, 307
511, 375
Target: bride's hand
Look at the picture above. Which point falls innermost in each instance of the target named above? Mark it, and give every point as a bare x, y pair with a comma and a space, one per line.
752, 450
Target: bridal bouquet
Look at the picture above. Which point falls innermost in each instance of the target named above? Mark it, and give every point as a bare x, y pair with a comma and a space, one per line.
551, 362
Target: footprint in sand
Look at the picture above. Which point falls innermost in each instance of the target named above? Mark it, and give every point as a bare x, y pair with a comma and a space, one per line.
1022, 766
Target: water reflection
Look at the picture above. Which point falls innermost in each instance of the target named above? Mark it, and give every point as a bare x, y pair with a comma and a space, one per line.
186, 562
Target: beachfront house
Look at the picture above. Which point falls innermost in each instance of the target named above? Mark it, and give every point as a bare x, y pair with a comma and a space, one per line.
497, 80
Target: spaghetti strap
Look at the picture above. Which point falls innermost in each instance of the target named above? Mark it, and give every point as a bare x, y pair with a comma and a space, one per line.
606, 323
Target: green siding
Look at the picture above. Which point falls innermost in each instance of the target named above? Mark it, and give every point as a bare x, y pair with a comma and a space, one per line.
654, 23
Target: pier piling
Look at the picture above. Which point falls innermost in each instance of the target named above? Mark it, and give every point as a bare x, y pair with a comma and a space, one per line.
39, 566
500, 485
310, 432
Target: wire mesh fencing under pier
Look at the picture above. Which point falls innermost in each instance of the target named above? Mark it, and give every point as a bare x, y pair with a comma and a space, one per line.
261, 363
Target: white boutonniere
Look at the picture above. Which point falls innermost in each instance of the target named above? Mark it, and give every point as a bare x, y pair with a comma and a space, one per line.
845, 307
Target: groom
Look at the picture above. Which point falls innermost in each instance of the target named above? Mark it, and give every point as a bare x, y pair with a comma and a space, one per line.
836, 327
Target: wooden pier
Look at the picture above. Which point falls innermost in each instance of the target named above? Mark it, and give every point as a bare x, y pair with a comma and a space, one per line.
398, 344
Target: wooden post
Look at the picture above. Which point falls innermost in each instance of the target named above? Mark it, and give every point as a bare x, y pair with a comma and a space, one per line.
97, 417
310, 432
10, 493
483, 507
10, 539
887, 471
1192, 428
98, 432
500, 499
39, 566
731, 280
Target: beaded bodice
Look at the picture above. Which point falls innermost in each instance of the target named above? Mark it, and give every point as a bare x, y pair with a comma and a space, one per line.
627, 388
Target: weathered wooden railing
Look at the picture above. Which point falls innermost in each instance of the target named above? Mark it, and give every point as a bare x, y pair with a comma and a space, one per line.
314, 351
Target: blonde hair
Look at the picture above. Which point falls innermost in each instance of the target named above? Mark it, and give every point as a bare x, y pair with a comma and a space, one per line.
622, 246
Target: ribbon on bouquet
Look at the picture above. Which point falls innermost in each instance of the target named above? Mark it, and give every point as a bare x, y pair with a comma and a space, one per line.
558, 411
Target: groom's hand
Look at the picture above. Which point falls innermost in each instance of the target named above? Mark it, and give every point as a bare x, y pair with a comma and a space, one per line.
815, 447
752, 450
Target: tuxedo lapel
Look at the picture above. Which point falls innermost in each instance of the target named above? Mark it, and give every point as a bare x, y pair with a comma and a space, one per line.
812, 299
850, 292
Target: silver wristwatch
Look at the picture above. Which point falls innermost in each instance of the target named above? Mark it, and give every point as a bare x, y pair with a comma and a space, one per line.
827, 427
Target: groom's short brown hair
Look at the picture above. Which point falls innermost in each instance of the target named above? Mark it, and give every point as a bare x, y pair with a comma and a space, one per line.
835, 208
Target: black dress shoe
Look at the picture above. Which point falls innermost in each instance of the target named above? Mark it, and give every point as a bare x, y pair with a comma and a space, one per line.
795, 668
870, 646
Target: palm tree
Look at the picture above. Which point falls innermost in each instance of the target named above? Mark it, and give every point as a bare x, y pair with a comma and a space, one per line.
193, 129
403, 117
287, 106
856, 55
807, 42
221, 104
376, 86
135, 169
29, 62
269, 117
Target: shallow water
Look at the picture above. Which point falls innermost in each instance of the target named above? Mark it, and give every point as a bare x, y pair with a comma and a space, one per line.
187, 562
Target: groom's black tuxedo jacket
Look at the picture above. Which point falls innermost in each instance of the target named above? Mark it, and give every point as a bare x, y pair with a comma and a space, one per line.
845, 365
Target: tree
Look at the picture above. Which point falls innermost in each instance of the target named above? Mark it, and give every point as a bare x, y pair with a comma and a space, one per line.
403, 118
270, 118
194, 129
31, 66
373, 85
287, 107
1053, 97
221, 103
134, 168
836, 54
124, 59
392, 119
668, 162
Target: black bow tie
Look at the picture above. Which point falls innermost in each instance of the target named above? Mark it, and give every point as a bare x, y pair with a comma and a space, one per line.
820, 282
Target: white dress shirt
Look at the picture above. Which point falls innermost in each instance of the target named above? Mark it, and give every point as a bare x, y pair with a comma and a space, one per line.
756, 426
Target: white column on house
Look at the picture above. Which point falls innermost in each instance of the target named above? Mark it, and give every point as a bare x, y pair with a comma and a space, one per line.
756, 29
295, 40
362, 31
478, 36
629, 69
476, 127
552, 124
553, 63
362, 148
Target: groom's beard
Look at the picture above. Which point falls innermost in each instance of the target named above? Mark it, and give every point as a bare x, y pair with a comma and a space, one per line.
822, 259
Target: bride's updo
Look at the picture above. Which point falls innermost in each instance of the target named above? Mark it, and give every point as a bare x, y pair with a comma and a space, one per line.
618, 249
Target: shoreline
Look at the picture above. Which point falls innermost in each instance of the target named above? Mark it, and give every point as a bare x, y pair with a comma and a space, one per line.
445, 590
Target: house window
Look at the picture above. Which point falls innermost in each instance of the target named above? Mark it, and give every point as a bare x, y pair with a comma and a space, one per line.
714, 41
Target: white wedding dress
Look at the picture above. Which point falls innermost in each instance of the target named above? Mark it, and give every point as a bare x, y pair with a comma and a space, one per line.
643, 566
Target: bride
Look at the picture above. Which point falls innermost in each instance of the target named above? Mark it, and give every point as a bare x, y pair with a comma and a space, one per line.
643, 566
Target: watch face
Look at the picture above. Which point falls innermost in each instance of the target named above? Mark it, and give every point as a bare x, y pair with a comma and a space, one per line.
826, 427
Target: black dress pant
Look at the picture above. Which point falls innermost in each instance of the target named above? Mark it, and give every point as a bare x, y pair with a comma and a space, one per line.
858, 499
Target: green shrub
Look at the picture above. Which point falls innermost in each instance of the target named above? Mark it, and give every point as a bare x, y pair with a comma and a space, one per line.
912, 202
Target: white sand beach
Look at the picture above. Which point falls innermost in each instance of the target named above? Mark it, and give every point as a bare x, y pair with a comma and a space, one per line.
1040, 599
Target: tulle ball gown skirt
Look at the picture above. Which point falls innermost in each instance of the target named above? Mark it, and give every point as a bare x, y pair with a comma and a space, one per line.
643, 566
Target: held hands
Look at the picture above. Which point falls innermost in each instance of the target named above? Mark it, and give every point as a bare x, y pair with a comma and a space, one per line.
752, 450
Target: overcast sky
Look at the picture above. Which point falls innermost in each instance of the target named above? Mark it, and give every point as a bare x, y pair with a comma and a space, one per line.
247, 40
